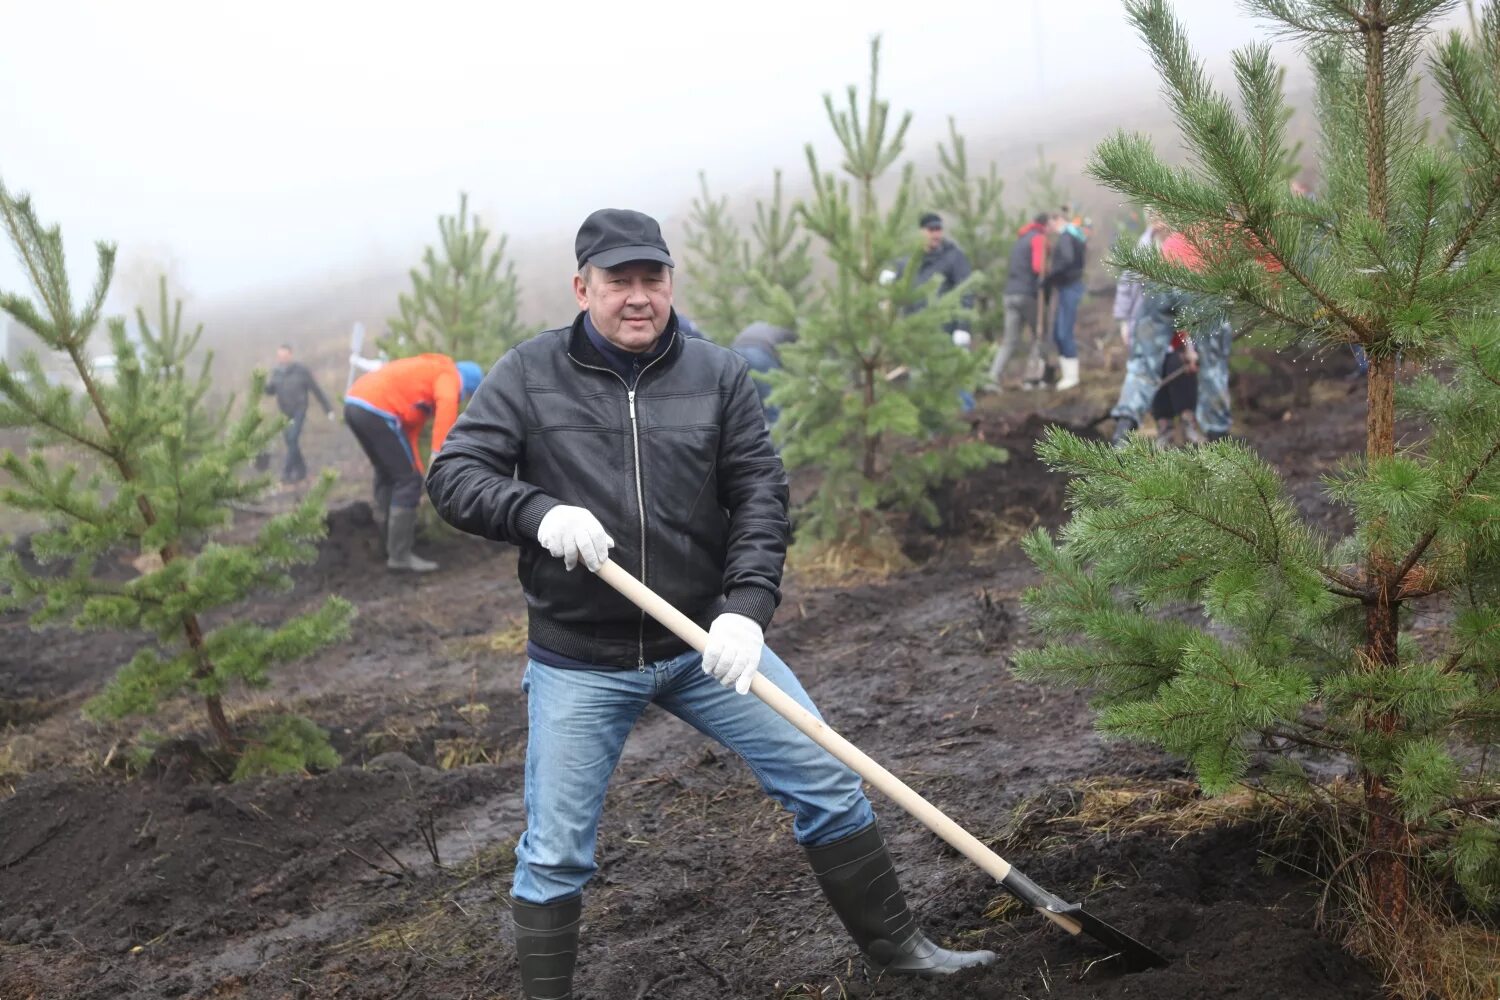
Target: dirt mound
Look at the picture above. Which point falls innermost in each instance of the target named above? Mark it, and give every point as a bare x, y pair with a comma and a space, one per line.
115, 864
1226, 927
325, 886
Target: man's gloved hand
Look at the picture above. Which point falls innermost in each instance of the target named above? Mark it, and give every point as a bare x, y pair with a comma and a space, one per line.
572, 532
732, 655
887, 276
961, 338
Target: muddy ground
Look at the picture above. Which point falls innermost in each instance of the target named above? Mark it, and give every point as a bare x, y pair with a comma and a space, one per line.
387, 877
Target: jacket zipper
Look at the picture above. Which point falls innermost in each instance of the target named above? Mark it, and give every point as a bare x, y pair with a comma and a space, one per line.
640, 490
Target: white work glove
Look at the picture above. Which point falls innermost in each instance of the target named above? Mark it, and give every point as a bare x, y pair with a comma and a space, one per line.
887, 276
572, 532
962, 339
732, 655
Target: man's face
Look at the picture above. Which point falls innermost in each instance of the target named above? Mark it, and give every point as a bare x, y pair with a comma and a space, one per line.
934, 236
1056, 224
283, 356
629, 304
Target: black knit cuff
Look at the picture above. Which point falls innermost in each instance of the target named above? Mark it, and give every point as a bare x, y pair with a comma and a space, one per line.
755, 603
529, 517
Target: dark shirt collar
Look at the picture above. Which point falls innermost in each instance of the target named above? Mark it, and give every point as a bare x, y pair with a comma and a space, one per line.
626, 364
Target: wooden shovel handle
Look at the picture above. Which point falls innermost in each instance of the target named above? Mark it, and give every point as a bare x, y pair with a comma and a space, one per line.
820, 733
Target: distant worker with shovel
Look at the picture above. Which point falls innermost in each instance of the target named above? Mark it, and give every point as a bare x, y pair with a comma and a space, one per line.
291, 383
387, 409
617, 433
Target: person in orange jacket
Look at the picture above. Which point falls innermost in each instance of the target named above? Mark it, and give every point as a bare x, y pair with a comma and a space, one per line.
386, 409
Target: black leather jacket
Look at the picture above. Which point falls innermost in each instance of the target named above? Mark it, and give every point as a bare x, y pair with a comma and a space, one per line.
680, 472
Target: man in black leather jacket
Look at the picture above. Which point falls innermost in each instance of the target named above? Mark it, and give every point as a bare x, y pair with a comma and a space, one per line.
617, 437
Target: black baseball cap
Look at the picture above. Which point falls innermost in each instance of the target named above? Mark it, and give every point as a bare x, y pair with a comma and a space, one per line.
614, 236
931, 220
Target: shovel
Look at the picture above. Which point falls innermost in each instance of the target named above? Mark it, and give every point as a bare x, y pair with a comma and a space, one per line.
1069, 916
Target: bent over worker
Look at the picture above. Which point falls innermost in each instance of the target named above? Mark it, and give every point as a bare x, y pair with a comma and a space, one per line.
617, 435
386, 409
1156, 325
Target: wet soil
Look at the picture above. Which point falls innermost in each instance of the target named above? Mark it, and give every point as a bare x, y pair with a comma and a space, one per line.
387, 877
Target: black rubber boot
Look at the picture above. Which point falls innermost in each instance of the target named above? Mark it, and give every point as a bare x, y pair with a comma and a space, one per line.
381, 509
546, 946
857, 876
400, 534
1123, 427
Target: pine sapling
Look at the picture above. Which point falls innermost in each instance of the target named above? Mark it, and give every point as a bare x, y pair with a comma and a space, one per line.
973, 207
870, 390
464, 300
127, 466
1310, 641
715, 282
780, 262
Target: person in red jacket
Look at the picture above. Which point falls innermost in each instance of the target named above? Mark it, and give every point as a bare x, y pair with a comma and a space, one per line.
386, 409
1028, 262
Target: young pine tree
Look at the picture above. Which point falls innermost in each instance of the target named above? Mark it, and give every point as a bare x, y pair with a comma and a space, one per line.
973, 209
464, 300
1310, 640
124, 467
715, 284
780, 262
1044, 191
881, 440
165, 351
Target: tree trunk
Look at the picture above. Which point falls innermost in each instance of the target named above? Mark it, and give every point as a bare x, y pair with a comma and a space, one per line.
1380, 409
202, 668
1387, 836
216, 718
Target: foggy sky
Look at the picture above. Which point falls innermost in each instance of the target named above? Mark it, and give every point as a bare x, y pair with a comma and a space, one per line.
245, 145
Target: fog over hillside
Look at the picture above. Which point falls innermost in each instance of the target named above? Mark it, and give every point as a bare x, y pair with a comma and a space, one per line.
284, 165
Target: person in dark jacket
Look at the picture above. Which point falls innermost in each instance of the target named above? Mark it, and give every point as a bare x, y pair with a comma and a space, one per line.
945, 260
760, 345
1065, 281
617, 438
290, 383
941, 258
1023, 276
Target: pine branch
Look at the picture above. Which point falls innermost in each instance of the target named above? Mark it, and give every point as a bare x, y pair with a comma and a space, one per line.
1461, 241
1422, 543
1429, 216
1306, 741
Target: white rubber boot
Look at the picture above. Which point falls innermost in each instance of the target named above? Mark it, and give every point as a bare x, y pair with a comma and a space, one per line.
1069, 367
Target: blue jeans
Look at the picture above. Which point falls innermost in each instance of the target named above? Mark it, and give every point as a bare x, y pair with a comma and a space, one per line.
1156, 324
578, 722
295, 469
1068, 298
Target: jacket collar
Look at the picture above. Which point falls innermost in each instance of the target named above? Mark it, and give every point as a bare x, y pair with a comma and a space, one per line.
582, 349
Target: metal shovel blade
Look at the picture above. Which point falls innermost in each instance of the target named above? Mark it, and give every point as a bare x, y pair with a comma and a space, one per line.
1069, 916
1133, 956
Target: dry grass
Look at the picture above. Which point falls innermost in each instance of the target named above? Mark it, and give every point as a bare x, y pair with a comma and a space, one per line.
1000, 530
846, 564
442, 925
1431, 954
12, 769
1113, 807
507, 640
